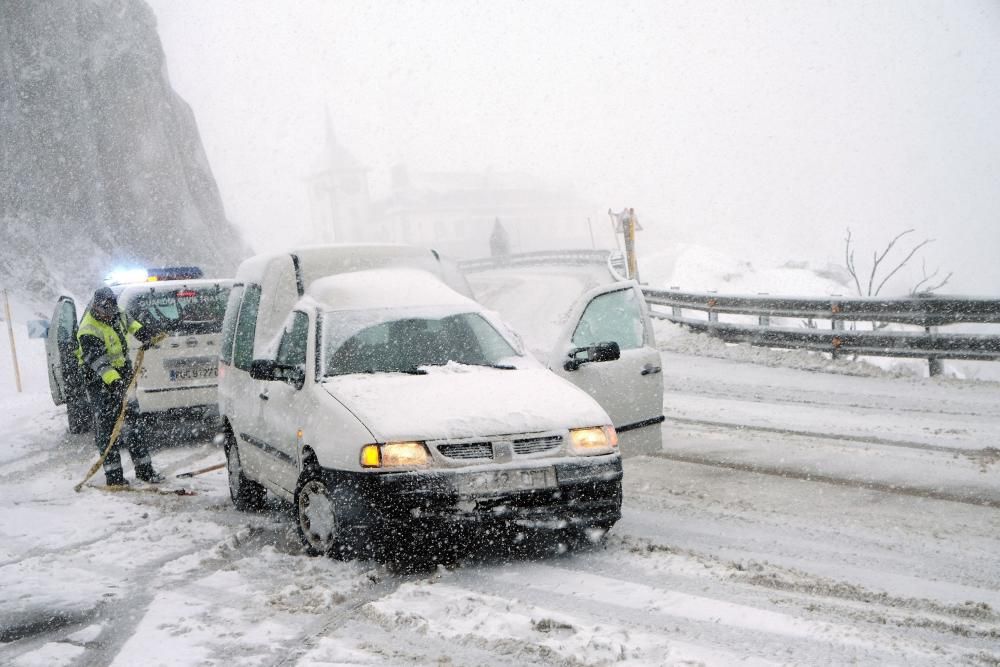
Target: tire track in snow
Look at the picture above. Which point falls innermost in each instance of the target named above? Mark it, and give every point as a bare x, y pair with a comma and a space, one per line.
970, 498
339, 616
756, 394
824, 436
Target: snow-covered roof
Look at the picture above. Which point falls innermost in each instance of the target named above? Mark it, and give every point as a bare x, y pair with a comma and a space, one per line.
385, 288
318, 261
169, 285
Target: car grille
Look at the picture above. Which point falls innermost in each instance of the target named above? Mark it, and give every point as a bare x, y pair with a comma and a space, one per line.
484, 449
535, 445
467, 450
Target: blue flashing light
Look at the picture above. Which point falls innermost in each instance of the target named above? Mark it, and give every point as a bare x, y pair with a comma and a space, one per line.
123, 276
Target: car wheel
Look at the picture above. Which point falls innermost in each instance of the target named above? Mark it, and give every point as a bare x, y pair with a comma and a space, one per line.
247, 495
78, 416
316, 516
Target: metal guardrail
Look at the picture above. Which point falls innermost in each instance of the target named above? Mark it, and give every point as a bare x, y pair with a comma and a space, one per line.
927, 313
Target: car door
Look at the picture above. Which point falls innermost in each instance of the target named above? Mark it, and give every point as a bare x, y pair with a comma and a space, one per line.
59, 347
282, 406
630, 389
238, 392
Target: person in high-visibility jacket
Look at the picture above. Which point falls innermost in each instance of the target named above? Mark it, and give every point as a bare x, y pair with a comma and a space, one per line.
102, 350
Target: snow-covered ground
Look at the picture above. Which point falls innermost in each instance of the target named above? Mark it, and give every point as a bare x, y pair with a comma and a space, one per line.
801, 512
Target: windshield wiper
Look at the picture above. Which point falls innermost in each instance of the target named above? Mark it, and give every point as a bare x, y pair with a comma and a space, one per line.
503, 367
413, 370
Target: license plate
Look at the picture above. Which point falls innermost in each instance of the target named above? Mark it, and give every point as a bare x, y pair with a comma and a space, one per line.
500, 481
194, 373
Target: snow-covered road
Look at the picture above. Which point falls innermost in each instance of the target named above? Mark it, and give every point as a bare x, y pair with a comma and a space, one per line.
794, 517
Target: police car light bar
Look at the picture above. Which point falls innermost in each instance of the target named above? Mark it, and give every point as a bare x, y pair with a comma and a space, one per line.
124, 276
176, 273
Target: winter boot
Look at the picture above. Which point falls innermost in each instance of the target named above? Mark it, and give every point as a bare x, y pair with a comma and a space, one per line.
148, 475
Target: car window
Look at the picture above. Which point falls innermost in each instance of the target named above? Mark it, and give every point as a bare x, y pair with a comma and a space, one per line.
66, 323
246, 327
229, 324
384, 341
292, 349
613, 316
185, 310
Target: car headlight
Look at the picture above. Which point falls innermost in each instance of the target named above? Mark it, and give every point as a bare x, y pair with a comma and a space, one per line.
593, 440
394, 454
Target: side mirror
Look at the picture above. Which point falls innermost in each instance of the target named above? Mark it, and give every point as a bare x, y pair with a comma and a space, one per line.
609, 351
272, 371
262, 369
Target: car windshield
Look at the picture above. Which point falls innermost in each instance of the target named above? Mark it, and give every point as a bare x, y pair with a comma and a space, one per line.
395, 341
183, 310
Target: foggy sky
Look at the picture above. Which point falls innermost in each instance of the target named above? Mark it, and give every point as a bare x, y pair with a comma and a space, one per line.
761, 128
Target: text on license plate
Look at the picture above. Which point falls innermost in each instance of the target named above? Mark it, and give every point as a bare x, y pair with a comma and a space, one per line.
194, 373
496, 481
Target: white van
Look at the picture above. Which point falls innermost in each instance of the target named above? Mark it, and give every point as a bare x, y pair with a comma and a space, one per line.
179, 375
386, 405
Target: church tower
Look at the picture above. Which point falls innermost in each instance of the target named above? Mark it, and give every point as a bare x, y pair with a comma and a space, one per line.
339, 199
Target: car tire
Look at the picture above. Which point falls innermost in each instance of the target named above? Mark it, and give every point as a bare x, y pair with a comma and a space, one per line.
315, 508
78, 416
247, 495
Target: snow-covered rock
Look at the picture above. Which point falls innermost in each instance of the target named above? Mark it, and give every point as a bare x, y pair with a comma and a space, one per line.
102, 163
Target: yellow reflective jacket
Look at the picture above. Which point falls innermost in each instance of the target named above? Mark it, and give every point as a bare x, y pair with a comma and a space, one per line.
103, 347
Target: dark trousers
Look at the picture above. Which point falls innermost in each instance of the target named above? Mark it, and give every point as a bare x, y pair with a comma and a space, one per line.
106, 405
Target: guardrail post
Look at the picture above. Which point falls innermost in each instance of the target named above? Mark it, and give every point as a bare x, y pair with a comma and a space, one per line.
763, 320
675, 310
835, 323
935, 366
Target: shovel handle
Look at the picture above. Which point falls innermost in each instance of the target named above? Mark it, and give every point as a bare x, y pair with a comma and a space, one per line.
192, 473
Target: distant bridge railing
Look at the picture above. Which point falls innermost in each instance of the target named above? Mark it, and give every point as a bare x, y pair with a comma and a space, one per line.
832, 321
614, 261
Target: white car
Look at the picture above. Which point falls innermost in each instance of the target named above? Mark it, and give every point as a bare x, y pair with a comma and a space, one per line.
558, 309
387, 406
179, 375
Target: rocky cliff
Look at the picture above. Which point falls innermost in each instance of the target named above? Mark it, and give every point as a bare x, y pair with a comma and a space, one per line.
101, 163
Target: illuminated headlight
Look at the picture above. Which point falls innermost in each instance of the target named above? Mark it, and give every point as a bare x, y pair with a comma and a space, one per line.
594, 440
395, 454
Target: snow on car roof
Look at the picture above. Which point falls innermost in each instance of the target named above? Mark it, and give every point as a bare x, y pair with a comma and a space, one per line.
385, 288
168, 285
318, 261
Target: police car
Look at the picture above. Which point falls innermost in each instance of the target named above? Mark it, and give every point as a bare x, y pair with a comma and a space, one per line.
179, 375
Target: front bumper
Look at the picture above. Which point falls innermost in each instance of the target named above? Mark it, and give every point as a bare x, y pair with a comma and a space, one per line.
587, 492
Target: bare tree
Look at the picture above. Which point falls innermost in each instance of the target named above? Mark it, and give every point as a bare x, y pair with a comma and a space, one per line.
926, 285
876, 280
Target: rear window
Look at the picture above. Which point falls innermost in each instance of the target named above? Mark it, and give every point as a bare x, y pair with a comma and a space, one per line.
185, 310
